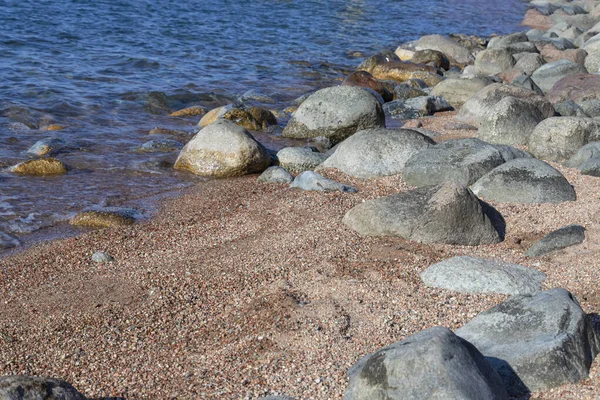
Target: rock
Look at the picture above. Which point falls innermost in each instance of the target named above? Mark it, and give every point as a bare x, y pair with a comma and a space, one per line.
526, 82
223, 149
377, 152
335, 113
557, 240
465, 274
586, 156
398, 109
548, 74
431, 57
251, 117
535, 342
458, 91
102, 257
366, 80
400, 71
299, 159
404, 92
569, 108
22, 387
474, 109
456, 53
189, 112
524, 180
105, 218
447, 213
161, 145
40, 167
376, 59
494, 61
8, 241
213, 115
310, 180
511, 122
429, 78
277, 398
471, 42
529, 63
580, 87
461, 160
255, 95
502, 42
591, 107
558, 138
276, 174
46, 146
535, 19
404, 54
592, 63
457, 126
166, 131
424, 366
428, 105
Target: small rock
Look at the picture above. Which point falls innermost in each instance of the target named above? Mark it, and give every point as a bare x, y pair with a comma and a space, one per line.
102, 257
557, 240
299, 159
276, 174
547, 75
310, 180
189, 112
559, 138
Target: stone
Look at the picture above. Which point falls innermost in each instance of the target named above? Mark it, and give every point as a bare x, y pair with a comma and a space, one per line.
569, 108
458, 91
552, 54
398, 109
404, 92
376, 59
310, 180
299, 159
511, 122
558, 138
431, 57
548, 74
160, 146
524, 180
366, 80
401, 71
213, 115
559, 239
586, 155
8, 241
276, 174
449, 213
501, 42
404, 54
335, 113
22, 387
460, 160
40, 167
465, 274
494, 61
536, 20
105, 218
580, 87
456, 53
377, 152
428, 105
101, 257
529, 63
424, 366
509, 152
46, 146
592, 63
189, 112
526, 82
536, 341
591, 107
223, 149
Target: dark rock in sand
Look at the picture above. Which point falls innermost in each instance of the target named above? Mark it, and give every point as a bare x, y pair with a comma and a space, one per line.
160, 145
557, 240
276, 174
22, 387
310, 180
46, 146
299, 159
559, 138
366, 80
404, 92
548, 74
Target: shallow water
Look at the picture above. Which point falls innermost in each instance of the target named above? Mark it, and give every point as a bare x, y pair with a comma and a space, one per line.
110, 71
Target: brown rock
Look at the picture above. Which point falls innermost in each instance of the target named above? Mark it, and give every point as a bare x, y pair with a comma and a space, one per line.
40, 167
189, 112
380, 58
551, 54
400, 70
536, 20
251, 118
580, 87
431, 57
366, 80
103, 219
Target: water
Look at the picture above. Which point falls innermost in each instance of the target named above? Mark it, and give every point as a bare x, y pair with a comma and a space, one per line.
100, 69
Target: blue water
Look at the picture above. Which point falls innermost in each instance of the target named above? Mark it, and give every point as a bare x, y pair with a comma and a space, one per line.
96, 67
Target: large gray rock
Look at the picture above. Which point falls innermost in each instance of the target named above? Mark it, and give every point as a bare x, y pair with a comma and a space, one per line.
592, 63
22, 387
467, 274
558, 138
335, 113
524, 180
529, 63
377, 152
310, 180
223, 149
494, 61
455, 52
447, 213
462, 160
457, 91
501, 42
587, 159
535, 342
299, 159
276, 174
548, 74
432, 364
510, 122
474, 110
559, 239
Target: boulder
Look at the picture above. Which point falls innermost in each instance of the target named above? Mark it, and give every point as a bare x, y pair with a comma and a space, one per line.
404, 92
160, 146
335, 113
494, 61
434, 58
548, 74
590, 107
529, 63
501, 42
580, 87
366, 80
447, 213
586, 156
213, 115
377, 152
524, 180
456, 53
105, 218
559, 239
569, 108
377, 59
558, 138
276, 174
461, 160
458, 91
432, 364
592, 63
510, 153
467, 274
40, 167
299, 159
552, 54
510, 122
526, 82
536, 341
223, 149
22, 387
310, 180
248, 117
400, 71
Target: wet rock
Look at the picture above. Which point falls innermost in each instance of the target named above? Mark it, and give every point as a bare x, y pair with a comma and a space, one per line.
189, 112
578, 88
377, 59
214, 114
465, 274
166, 131
335, 113
255, 95
559, 239
400, 71
22, 387
548, 74
299, 159
160, 145
535, 342
101, 257
223, 149
558, 138
366, 80
423, 366
377, 152
526, 82
251, 117
494, 61
529, 63
104, 218
8, 241
276, 174
310, 180
431, 57
157, 103
458, 91
456, 53
46, 147
404, 92
447, 213
40, 167
524, 180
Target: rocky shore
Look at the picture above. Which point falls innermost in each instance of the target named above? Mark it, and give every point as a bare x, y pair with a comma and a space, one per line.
437, 237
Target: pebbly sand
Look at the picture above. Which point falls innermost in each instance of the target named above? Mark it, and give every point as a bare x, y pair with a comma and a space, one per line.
239, 289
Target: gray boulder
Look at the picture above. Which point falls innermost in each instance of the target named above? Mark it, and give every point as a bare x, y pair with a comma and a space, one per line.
558, 138
494, 61
559, 239
510, 122
276, 175
524, 180
501, 42
510, 153
22, 387
466, 274
335, 113
160, 146
462, 160
583, 155
548, 74
535, 342
529, 63
456, 53
448, 213
377, 152
591, 107
458, 91
416, 107
432, 364
299, 159
592, 63
310, 180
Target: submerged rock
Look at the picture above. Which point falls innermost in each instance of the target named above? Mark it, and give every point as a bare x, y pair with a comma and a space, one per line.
105, 218
40, 167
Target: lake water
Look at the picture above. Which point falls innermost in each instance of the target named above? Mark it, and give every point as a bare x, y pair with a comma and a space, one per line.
109, 71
